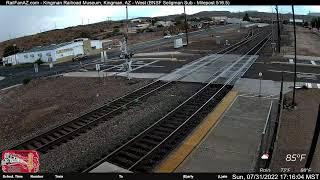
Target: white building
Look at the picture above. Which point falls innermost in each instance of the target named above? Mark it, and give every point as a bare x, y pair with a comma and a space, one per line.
164, 23
96, 44
49, 53
136, 20
219, 19
255, 19
234, 21
56, 52
296, 20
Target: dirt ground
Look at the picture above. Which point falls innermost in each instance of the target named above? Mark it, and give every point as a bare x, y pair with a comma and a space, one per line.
30, 109
308, 43
296, 130
205, 45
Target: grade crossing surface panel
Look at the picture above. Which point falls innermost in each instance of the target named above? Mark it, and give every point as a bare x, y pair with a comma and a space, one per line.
213, 66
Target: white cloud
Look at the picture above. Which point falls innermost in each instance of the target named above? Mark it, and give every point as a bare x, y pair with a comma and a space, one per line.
28, 20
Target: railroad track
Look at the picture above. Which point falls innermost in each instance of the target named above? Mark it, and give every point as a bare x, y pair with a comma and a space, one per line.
70, 130
143, 152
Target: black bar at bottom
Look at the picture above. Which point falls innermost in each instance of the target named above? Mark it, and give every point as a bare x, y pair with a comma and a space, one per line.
165, 176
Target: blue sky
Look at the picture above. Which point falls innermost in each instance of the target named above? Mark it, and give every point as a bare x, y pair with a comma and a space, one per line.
17, 21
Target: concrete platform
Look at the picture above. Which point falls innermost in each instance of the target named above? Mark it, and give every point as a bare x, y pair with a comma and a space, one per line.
231, 146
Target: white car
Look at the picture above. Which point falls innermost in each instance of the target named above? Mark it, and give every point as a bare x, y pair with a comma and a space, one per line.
167, 36
180, 34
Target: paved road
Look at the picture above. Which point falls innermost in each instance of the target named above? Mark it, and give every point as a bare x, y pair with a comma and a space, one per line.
15, 75
273, 72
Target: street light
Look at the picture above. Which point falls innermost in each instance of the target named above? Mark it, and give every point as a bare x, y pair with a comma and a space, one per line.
260, 77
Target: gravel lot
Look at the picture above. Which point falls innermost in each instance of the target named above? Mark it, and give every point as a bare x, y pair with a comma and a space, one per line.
296, 131
28, 110
76, 154
307, 42
204, 45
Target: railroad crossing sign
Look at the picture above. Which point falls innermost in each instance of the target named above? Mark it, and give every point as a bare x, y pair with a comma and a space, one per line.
260, 77
127, 66
98, 67
50, 65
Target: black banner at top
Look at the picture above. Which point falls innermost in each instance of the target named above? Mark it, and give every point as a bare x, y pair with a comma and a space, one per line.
154, 3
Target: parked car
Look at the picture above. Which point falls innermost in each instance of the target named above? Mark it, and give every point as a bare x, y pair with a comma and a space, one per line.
167, 36
180, 34
79, 57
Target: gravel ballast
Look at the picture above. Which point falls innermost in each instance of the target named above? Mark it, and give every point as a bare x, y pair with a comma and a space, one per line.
28, 110
101, 140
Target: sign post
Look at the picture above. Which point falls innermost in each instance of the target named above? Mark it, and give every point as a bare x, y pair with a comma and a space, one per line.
36, 67
98, 69
260, 77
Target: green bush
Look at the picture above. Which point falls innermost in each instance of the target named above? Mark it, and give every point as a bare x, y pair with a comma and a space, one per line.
26, 80
149, 30
39, 61
116, 31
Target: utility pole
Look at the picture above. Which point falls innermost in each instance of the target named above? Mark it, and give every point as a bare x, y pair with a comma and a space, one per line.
239, 21
126, 54
295, 59
279, 39
185, 22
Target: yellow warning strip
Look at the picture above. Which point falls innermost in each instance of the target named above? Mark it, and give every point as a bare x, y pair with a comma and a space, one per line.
175, 158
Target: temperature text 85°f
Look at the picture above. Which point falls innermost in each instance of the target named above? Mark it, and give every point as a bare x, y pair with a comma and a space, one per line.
295, 157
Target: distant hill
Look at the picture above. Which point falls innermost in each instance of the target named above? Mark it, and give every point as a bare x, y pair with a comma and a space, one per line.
96, 31
103, 29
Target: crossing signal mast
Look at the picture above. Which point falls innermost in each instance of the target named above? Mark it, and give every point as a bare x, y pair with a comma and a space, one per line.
127, 55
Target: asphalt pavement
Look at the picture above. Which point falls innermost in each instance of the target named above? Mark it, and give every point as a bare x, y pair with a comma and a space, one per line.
273, 72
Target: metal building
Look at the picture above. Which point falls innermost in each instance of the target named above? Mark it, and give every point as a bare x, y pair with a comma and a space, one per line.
50, 53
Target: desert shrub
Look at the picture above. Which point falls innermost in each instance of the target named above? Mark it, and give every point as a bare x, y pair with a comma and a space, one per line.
39, 61
26, 80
